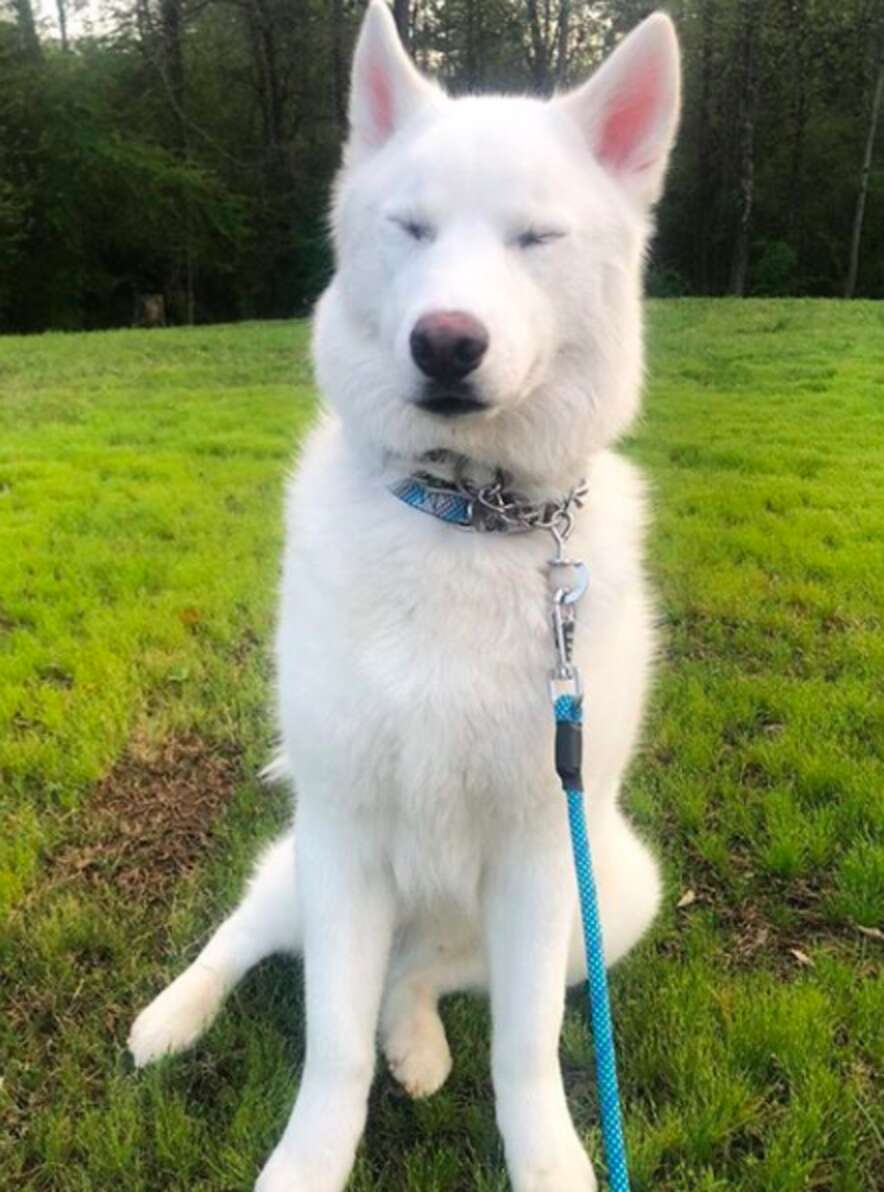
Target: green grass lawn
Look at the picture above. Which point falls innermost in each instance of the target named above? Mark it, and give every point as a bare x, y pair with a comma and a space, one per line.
140, 487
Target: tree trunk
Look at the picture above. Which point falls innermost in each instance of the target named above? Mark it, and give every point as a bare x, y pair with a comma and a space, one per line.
171, 20
562, 41
704, 174
339, 69
27, 30
539, 56
171, 32
550, 34
402, 17
853, 267
61, 7
471, 58
267, 72
752, 14
798, 39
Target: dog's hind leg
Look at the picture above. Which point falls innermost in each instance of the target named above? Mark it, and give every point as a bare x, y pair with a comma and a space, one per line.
266, 921
412, 1034
629, 891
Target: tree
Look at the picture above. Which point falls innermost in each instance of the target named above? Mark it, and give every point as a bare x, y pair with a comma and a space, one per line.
751, 16
402, 16
339, 66
62, 10
865, 174
550, 28
31, 49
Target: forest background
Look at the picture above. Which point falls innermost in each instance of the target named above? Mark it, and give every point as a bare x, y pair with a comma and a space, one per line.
172, 158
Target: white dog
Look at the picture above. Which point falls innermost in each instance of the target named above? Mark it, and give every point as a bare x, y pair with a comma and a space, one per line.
484, 317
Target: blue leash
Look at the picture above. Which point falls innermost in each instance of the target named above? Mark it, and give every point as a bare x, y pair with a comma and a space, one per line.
569, 731
493, 509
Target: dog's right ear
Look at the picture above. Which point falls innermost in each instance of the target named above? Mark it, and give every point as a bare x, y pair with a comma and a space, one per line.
386, 89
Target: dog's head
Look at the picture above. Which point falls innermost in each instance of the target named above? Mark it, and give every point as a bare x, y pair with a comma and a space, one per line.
489, 255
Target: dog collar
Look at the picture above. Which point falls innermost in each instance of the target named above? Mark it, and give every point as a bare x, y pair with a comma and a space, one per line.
488, 508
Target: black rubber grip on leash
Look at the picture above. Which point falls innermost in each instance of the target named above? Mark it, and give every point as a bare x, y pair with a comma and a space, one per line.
569, 754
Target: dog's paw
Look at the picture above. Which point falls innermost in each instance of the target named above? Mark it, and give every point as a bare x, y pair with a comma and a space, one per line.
176, 1019
543, 1166
280, 1174
575, 1175
417, 1051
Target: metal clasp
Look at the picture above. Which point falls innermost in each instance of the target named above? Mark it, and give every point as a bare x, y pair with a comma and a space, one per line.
570, 594
564, 621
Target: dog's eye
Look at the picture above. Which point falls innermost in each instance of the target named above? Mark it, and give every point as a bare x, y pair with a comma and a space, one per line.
533, 238
413, 228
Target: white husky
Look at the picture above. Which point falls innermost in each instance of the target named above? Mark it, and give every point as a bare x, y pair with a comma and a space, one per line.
486, 305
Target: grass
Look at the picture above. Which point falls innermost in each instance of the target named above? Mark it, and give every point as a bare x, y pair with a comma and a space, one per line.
140, 485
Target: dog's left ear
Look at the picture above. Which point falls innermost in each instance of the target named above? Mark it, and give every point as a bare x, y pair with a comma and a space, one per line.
628, 110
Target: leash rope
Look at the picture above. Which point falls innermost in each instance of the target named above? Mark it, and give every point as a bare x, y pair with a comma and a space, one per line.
493, 508
568, 710
569, 726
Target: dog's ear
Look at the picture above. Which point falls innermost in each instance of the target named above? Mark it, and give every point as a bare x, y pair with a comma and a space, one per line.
386, 89
628, 110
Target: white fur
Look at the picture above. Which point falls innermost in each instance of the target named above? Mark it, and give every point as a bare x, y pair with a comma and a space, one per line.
430, 851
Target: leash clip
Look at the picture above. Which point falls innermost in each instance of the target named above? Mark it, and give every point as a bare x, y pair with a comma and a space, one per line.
564, 621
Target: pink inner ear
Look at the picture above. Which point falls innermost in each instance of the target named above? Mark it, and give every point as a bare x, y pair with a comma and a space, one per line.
630, 119
381, 100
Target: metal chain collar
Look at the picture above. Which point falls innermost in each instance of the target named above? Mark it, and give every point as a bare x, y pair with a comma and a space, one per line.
496, 508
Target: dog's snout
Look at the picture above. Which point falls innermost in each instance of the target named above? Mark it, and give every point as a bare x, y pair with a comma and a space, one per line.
447, 345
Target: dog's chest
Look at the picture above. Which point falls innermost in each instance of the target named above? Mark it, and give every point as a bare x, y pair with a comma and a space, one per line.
451, 637
414, 661
453, 644
441, 636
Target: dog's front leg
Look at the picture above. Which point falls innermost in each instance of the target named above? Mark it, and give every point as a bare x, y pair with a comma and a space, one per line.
347, 907
530, 905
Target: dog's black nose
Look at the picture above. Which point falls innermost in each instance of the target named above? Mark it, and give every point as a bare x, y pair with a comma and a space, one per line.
448, 344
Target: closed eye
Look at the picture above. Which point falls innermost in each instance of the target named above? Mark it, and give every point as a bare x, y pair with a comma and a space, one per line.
534, 237
414, 228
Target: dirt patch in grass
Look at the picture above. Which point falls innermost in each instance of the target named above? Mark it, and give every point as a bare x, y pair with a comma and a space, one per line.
777, 926
151, 817
147, 824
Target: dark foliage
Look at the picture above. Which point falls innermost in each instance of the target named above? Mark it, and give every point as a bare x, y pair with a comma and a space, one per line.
184, 148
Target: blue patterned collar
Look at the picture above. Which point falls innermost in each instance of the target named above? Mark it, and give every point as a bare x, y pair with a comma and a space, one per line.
436, 497
488, 508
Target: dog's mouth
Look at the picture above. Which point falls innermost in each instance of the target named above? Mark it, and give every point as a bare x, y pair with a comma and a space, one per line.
450, 401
